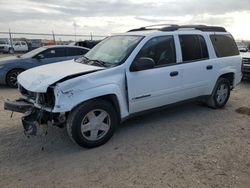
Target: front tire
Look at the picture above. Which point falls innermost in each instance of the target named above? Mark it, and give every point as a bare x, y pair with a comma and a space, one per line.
92, 123
11, 78
220, 95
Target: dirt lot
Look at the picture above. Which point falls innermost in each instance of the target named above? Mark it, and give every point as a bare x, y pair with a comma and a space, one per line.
186, 146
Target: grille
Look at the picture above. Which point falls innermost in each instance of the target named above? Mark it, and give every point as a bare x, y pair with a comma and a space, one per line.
246, 60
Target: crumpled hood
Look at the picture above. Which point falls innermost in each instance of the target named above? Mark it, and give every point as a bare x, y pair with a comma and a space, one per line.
38, 79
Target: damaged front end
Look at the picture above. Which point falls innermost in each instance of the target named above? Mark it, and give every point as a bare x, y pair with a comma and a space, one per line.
37, 110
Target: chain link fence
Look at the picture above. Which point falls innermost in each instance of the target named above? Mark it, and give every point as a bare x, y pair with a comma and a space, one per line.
35, 40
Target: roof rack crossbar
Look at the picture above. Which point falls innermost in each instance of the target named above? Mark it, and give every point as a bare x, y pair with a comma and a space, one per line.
153, 27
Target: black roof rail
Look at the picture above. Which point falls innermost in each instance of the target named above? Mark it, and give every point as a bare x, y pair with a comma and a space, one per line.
152, 27
198, 27
169, 27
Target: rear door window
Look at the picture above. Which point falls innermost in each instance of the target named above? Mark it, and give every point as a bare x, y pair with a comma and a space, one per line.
224, 45
54, 52
193, 47
76, 51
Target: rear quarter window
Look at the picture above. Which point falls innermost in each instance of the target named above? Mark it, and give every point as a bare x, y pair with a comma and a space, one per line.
76, 51
224, 45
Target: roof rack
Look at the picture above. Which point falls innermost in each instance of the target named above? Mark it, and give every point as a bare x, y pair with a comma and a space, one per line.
153, 27
169, 27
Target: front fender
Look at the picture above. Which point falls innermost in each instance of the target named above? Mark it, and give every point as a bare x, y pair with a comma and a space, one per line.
66, 101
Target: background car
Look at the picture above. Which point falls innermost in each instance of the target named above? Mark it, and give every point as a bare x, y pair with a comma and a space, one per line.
17, 46
3, 43
243, 48
86, 43
10, 67
245, 64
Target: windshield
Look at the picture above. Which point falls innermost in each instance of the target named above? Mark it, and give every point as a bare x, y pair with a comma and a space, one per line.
113, 50
33, 52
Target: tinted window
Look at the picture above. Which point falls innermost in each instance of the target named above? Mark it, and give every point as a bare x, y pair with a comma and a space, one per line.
224, 45
160, 49
23, 43
76, 51
193, 47
54, 52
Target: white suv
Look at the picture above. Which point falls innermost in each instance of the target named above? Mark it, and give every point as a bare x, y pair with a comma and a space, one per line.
17, 46
126, 74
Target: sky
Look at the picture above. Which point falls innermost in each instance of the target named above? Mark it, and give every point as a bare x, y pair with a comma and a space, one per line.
104, 17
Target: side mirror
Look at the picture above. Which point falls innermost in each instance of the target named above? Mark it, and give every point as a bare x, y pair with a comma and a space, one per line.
40, 56
142, 63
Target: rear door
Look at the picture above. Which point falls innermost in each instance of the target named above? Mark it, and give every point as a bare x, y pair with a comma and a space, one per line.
159, 85
196, 66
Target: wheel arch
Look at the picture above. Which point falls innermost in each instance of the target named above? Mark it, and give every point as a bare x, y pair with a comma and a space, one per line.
111, 98
230, 76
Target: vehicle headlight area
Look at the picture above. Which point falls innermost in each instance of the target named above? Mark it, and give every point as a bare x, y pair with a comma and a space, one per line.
41, 100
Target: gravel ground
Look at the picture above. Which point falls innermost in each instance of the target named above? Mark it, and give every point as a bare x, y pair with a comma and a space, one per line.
189, 145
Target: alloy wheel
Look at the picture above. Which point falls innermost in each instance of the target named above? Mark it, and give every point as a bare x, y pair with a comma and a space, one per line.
95, 124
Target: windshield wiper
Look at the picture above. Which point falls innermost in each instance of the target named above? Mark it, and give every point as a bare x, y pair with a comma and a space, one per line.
94, 62
97, 62
82, 59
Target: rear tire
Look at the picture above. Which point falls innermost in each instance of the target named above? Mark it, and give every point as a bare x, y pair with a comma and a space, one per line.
92, 123
11, 78
220, 95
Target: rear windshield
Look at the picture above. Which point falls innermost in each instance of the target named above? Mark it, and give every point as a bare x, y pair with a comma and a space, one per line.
224, 45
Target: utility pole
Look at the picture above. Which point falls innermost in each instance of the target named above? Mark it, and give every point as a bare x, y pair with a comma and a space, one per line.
53, 34
74, 24
11, 44
91, 36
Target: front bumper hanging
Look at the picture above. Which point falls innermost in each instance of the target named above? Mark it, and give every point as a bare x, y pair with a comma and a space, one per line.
19, 105
32, 116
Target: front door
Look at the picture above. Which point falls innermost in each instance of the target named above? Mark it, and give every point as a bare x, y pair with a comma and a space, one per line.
159, 85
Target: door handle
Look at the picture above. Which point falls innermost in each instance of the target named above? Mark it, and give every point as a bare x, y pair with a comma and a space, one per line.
209, 67
174, 73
